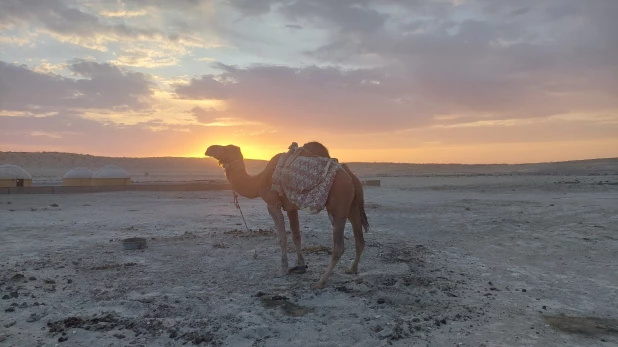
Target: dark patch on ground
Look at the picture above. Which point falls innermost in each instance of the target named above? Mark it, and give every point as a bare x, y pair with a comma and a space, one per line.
583, 325
288, 308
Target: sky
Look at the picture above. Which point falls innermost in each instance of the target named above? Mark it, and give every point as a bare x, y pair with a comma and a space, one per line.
422, 81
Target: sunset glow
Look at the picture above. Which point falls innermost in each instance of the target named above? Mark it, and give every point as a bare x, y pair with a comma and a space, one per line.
471, 81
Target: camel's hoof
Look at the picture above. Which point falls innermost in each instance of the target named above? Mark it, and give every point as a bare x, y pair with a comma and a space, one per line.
298, 269
318, 285
351, 272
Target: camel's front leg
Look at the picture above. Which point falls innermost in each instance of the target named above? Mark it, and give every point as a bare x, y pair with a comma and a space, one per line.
277, 215
295, 227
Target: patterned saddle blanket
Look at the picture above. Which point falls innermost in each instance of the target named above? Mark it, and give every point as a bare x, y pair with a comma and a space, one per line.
305, 181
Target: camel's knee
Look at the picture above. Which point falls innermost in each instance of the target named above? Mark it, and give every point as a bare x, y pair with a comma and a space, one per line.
338, 251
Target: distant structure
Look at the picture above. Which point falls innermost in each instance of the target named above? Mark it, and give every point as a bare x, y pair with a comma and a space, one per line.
371, 183
14, 176
78, 177
111, 175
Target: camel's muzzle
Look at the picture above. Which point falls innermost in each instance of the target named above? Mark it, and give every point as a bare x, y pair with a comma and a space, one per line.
213, 151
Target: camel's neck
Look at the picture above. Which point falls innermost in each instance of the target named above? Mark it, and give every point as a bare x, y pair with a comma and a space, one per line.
243, 183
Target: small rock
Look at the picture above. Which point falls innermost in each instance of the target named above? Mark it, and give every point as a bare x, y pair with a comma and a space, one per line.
31, 278
119, 336
523, 290
23, 305
14, 294
544, 307
385, 333
50, 281
381, 301
416, 319
69, 281
10, 309
6, 297
10, 324
33, 318
62, 339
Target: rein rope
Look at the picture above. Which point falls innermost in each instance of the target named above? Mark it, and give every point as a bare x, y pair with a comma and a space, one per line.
239, 209
236, 203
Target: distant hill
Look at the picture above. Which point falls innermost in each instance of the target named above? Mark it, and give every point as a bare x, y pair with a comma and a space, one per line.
55, 164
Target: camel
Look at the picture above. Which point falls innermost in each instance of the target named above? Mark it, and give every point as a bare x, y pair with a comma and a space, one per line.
345, 202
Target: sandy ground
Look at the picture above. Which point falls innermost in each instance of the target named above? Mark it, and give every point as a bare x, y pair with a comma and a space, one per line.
450, 261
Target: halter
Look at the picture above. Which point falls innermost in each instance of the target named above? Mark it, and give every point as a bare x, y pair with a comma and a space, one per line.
226, 166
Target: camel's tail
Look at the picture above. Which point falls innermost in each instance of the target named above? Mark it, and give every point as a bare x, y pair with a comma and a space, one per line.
359, 197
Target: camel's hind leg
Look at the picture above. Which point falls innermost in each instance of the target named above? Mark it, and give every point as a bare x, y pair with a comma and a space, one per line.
359, 240
338, 228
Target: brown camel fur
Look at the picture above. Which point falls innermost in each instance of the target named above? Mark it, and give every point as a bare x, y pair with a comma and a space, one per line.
345, 202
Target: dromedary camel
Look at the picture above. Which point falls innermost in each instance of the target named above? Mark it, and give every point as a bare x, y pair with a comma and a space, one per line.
345, 201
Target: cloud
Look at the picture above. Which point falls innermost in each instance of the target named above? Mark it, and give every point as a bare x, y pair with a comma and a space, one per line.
123, 13
74, 25
205, 87
72, 133
205, 115
97, 85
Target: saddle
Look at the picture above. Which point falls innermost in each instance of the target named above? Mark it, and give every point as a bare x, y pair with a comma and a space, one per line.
304, 179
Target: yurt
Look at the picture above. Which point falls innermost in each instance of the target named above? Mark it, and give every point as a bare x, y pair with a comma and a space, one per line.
14, 176
78, 177
111, 175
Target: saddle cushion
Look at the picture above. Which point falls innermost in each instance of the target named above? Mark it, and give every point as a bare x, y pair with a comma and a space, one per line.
305, 181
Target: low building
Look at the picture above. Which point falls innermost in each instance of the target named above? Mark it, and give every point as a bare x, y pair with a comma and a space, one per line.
111, 175
78, 177
14, 176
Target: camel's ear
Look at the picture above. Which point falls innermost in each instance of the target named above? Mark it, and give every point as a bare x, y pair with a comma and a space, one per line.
214, 151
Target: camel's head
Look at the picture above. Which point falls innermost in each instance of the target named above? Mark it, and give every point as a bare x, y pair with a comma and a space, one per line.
224, 154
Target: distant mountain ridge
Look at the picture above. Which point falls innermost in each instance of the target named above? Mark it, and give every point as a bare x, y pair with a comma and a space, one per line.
54, 163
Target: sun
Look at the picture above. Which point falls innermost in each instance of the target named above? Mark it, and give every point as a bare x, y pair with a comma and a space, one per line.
249, 151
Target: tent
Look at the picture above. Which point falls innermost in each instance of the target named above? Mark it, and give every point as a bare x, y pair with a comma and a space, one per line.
111, 175
78, 177
14, 176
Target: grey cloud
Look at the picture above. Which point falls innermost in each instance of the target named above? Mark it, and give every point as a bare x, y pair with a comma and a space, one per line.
83, 28
527, 64
98, 86
329, 99
346, 15
205, 87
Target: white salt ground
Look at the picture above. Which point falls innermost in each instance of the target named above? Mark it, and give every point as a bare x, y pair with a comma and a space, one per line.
450, 261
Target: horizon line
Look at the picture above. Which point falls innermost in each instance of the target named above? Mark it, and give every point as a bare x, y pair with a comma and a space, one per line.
348, 162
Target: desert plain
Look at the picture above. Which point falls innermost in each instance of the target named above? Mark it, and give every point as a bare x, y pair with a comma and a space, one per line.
496, 257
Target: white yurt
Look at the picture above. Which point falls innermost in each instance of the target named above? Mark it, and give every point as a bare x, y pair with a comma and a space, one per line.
111, 175
14, 176
78, 177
